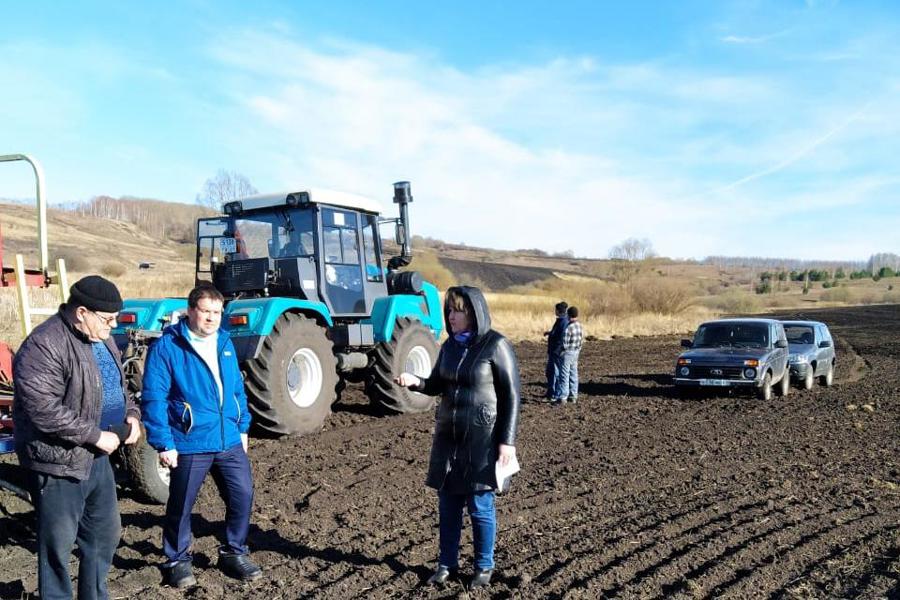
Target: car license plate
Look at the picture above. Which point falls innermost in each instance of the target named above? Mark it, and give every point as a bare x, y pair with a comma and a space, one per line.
716, 382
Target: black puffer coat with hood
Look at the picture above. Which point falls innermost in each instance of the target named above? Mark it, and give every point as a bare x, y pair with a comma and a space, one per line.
479, 409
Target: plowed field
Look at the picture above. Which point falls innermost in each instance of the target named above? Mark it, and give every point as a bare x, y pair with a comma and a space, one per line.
631, 493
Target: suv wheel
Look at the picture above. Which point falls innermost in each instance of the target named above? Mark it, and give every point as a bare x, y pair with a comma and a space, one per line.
828, 378
784, 385
808, 380
765, 389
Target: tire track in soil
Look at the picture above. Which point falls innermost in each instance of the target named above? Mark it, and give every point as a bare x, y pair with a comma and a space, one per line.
620, 575
652, 519
679, 555
875, 563
768, 573
618, 551
713, 572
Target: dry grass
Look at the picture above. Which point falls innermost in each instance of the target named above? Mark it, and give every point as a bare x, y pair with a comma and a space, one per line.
528, 317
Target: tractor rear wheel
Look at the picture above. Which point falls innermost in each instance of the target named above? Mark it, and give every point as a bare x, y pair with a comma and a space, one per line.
291, 384
412, 349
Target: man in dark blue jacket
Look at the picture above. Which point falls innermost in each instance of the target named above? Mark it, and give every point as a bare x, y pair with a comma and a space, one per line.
195, 412
555, 349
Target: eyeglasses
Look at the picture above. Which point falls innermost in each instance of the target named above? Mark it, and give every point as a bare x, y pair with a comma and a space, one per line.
108, 321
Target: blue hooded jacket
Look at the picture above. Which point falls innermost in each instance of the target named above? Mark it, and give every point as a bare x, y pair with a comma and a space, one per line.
180, 399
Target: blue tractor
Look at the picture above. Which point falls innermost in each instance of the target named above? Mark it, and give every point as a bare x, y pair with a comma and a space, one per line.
309, 306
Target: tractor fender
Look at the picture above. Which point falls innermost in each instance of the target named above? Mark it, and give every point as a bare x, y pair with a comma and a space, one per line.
424, 307
261, 314
150, 314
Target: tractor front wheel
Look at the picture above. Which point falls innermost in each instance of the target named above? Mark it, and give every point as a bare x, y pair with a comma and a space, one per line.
148, 477
411, 349
291, 384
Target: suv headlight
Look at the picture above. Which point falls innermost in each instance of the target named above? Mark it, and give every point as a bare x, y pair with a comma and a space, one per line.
684, 371
798, 359
749, 373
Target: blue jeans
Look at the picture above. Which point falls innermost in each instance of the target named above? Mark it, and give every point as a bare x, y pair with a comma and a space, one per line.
232, 475
70, 511
484, 527
554, 364
567, 380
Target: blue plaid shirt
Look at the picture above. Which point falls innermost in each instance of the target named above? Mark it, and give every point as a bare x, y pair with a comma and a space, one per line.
573, 339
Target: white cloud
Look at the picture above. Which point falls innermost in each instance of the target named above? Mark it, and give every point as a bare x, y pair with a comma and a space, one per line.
571, 154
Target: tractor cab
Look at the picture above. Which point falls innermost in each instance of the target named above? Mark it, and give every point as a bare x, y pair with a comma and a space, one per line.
317, 245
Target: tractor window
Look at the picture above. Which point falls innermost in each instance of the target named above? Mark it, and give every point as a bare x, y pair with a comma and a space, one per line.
339, 232
294, 235
373, 265
210, 233
252, 238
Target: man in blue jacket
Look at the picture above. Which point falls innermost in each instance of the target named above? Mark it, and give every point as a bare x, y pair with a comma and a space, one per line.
555, 349
195, 413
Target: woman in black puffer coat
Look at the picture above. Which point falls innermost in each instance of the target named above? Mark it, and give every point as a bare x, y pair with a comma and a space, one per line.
477, 376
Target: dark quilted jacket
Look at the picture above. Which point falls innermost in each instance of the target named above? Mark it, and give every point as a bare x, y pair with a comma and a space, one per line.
479, 409
58, 398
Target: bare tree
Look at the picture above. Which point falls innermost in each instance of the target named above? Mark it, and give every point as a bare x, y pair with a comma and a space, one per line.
224, 187
632, 250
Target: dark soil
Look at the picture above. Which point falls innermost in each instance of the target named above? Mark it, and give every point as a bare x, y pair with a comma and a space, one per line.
495, 276
630, 493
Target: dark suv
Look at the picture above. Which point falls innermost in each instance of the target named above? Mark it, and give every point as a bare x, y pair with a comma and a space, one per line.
736, 354
811, 352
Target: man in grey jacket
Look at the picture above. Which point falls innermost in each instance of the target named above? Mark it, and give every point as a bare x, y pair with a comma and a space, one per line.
71, 411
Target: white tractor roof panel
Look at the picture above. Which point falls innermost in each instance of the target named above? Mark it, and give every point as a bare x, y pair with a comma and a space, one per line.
316, 195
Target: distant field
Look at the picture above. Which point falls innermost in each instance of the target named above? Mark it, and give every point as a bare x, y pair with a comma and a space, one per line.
653, 297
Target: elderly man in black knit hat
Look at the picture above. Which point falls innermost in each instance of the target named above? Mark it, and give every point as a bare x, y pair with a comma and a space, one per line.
71, 412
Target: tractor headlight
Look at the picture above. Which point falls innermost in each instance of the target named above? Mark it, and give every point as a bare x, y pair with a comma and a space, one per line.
749, 373
684, 371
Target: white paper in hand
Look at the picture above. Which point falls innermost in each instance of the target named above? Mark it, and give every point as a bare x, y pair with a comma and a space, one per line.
503, 473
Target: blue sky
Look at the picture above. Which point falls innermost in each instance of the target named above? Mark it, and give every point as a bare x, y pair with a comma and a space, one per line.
710, 128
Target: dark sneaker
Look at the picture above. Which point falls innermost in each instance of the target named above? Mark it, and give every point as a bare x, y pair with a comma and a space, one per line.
482, 578
442, 575
556, 402
573, 400
179, 575
239, 566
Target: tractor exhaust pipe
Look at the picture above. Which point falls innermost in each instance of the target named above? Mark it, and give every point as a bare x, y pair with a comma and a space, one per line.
402, 196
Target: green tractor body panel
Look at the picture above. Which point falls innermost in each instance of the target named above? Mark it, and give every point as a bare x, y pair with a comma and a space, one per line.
262, 313
425, 308
150, 314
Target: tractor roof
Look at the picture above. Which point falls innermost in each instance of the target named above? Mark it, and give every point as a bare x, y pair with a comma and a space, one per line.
316, 196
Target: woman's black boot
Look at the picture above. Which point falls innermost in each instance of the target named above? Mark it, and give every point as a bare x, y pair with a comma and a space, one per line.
442, 575
482, 578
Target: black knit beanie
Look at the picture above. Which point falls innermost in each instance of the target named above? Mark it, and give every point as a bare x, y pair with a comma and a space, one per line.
95, 293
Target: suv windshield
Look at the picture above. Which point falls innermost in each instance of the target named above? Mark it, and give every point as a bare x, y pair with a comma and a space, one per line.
746, 335
799, 334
